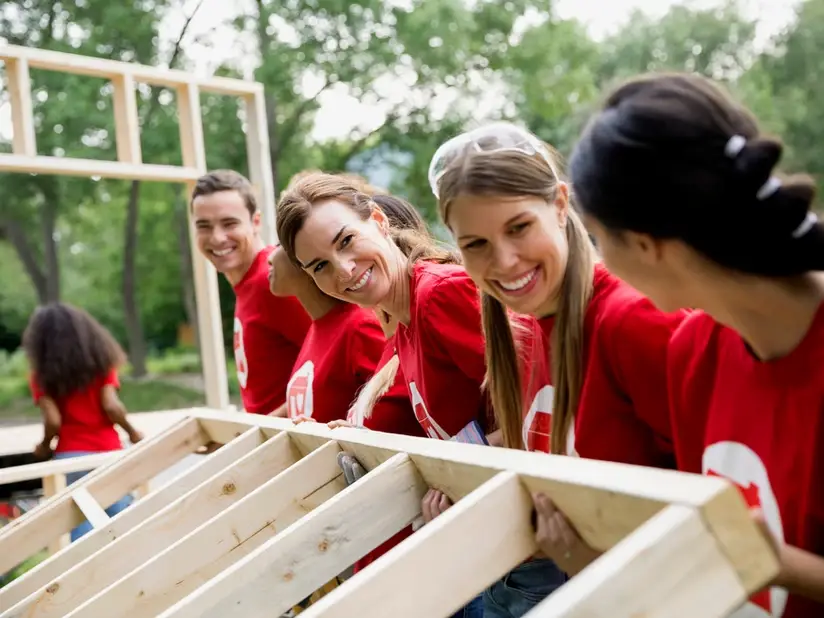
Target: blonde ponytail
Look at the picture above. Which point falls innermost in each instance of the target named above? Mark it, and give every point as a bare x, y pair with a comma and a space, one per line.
567, 357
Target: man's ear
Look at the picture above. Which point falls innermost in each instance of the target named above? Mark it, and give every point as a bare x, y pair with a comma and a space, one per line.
256, 220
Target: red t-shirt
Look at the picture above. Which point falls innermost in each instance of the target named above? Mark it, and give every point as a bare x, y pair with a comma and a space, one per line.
393, 411
623, 413
760, 425
339, 355
441, 351
269, 332
84, 425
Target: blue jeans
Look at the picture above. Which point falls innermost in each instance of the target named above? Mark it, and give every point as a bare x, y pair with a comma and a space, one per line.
522, 589
473, 609
72, 477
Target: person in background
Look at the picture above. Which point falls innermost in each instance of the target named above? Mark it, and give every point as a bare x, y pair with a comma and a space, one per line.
590, 380
268, 330
74, 362
679, 186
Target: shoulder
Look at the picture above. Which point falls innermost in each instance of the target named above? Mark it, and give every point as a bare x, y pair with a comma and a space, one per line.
441, 285
698, 336
619, 312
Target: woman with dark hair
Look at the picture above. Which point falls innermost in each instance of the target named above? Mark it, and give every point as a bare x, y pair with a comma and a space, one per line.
679, 186
74, 362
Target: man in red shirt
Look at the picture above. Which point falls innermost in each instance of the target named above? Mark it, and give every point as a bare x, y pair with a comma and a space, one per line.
268, 331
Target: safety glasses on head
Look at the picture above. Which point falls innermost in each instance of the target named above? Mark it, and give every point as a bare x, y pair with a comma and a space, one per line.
494, 137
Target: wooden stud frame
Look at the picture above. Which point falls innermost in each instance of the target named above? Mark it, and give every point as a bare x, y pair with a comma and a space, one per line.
265, 520
129, 165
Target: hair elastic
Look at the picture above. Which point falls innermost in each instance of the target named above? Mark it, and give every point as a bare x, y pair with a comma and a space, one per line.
806, 225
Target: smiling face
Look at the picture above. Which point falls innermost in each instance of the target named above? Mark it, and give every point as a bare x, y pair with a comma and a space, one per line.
514, 248
348, 257
227, 234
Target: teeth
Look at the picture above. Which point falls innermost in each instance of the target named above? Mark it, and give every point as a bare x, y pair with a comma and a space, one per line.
361, 282
222, 252
514, 286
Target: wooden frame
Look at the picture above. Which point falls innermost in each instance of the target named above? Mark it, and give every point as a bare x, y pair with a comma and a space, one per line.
267, 519
129, 165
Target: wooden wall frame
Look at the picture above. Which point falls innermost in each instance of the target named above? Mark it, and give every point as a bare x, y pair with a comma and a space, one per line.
129, 165
267, 519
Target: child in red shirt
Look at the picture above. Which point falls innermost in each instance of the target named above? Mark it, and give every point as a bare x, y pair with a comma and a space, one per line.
679, 188
74, 362
583, 374
268, 330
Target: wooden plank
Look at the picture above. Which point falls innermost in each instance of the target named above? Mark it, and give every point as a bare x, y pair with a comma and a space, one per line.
489, 531
100, 67
293, 564
27, 534
40, 578
605, 501
53, 485
24, 141
210, 327
22, 438
66, 166
161, 531
91, 510
215, 545
40, 470
260, 164
126, 120
676, 551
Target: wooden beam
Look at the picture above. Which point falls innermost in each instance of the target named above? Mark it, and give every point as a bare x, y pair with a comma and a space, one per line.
216, 544
210, 327
671, 567
260, 163
40, 578
24, 141
161, 531
100, 67
65, 166
40, 470
53, 485
126, 120
489, 531
289, 567
91, 510
27, 534
605, 501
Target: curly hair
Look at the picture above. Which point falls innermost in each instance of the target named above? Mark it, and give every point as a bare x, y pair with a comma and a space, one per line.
68, 349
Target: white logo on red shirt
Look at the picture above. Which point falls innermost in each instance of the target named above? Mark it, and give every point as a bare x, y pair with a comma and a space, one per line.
432, 429
240, 355
299, 391
538, 424
739, 464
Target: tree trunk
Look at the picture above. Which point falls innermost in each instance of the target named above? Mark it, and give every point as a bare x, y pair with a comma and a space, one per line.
131, 308
187, 275
51, 259
17, 237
